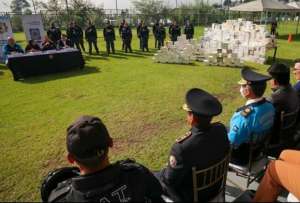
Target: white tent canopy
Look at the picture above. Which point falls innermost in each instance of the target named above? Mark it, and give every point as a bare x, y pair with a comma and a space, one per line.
264, 5
295, 4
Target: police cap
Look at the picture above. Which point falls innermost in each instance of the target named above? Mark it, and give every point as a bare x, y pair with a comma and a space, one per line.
279, 69
250, 77
202, 103
87, 139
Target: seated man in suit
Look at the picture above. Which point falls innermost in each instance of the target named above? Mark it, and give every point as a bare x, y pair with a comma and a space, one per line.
255, 118
203, 146
285, 99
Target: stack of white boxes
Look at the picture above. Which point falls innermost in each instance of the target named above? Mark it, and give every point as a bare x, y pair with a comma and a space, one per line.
235, 41
227, 44
182, 52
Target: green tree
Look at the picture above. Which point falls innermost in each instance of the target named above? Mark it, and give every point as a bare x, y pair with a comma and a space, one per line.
17, 6
150, 10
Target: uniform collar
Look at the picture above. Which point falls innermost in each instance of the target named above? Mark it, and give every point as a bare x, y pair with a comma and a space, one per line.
198, 129
95, 180
257, 103
251, 101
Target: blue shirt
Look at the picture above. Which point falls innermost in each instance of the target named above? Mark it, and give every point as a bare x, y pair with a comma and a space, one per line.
7, 50
256, 118
297, 86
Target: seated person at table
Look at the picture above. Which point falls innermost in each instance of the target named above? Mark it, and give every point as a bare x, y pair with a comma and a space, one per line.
11, 47
64, 42
281, 174
32, 46
285, 99
255, 118
48, 45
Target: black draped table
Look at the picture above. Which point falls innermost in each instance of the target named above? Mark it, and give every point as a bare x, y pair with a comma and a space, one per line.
40, 63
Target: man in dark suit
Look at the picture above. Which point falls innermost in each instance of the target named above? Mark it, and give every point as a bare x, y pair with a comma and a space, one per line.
91, 37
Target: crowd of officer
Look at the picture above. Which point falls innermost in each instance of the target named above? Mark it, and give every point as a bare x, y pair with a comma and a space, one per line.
95, 178
75, 34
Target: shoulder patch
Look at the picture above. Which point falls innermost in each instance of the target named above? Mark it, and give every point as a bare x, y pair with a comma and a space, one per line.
246, 111
186, 136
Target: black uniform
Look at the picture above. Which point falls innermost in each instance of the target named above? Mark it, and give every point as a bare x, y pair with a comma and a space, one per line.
138, 33
109, 37
174, 32
54, 34
161, 36
75, 35
199, 148
205, 145
273, 28
155, 30
120, 34
91, 37
124, 181
127, 37
144, 36
189, 31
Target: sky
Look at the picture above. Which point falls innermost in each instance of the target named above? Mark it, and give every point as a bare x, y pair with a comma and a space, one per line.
108, 4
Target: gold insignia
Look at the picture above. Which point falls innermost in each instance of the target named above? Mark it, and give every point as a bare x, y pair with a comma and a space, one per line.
172, 161
246, 112
181, 139
186, 108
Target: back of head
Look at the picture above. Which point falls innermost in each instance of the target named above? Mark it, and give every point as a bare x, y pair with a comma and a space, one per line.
88, 141
281, 73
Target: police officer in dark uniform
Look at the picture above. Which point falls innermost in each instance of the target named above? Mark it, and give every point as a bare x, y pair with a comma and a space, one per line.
91, 37
54, 34
284, 99
255, 118
75, 35
120, 32
155, 30
205, 145
88, 143
189, 30
174, 31
127, 37
161, 35
109, 37
144, 36
138, 33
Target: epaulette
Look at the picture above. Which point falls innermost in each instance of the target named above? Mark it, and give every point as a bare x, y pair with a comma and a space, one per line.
186, 136
246, 111
62, 189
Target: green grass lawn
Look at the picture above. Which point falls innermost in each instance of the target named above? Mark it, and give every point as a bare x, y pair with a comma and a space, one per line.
139, 101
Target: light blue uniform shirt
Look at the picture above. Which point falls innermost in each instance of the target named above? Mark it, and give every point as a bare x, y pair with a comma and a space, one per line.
255, 118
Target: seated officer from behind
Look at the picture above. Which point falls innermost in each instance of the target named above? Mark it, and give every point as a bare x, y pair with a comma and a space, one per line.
88, 143
205, 145
255, 118
284, 99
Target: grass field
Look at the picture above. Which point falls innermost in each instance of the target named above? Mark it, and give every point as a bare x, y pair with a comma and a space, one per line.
139, 101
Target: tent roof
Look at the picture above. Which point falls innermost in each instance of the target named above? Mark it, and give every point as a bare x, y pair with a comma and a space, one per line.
263, 5
295, 4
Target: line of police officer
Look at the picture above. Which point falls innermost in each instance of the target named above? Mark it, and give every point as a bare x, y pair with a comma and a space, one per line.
76, 35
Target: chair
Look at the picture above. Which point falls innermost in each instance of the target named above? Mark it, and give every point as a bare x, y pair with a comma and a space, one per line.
256, 165
287, 133
209, 177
